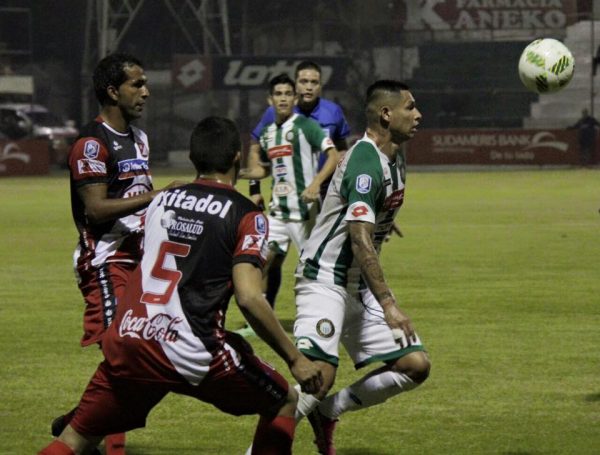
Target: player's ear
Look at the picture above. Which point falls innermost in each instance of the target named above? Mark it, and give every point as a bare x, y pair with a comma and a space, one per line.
113, 92
386, 113
296, 98
270, 100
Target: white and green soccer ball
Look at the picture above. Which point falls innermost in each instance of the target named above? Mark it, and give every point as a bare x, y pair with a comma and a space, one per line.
546, 65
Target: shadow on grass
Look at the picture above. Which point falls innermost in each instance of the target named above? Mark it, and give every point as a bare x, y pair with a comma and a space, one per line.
593, 397
362, 451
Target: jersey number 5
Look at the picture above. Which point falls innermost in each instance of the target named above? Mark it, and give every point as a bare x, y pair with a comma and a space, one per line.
161, 273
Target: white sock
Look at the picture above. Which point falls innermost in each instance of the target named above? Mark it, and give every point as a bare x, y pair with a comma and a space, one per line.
372, 389
306, 404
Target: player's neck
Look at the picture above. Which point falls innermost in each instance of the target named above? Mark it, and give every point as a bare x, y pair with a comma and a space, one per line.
280, 119
307, 108
383, 140
114, 118
225, 179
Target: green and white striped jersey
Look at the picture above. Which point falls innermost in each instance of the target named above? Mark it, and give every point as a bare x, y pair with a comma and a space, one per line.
367, 187
291, 149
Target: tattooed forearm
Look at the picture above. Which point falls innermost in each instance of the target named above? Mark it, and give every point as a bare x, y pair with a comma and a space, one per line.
366, 255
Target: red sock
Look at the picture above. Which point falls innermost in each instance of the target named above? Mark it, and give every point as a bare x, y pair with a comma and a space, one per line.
115, 444
274, 437
57, 447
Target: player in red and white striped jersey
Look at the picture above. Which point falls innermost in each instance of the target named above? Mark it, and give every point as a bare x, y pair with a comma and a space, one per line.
204, 242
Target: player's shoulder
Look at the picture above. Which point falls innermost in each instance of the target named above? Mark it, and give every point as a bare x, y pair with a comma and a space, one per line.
305, 122
362, 156
330, 106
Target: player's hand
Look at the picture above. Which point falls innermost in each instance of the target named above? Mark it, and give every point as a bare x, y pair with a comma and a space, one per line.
311, 193
395, 230
396, 319
258, 200
307, 373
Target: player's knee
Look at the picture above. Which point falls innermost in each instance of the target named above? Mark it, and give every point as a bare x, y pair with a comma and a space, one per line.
415, 365
288, 406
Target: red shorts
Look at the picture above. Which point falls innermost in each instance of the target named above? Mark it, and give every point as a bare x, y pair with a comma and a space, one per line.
112, 404
101, 288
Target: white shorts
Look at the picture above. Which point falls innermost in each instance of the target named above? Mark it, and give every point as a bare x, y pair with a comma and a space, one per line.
327, 315
281, 232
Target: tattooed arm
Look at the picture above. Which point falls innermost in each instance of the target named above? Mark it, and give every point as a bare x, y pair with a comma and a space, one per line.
361, 236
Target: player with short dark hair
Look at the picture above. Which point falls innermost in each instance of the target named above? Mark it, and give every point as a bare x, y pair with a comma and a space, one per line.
111, 185
288, 150
204, 242
329, 116
341, 292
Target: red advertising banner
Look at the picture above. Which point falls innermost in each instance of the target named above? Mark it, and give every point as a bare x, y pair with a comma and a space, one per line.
494, 147
24, 157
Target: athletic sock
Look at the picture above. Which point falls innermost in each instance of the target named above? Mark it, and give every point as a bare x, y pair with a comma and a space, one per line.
274, 437
115, 444
56, 447
370, 390
273, 284
306, 404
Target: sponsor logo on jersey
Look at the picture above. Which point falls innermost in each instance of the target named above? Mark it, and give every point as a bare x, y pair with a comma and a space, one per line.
260, 224
91, 149
180, 199
116, 146
325, 328
280, 151
144, 151
282, 189
363, 183
91, 167
131, 168
394, 200
253, 242
360, 210
280, 170
181, 227
160, 327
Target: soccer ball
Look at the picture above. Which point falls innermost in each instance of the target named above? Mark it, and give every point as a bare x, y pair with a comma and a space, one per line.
546, 65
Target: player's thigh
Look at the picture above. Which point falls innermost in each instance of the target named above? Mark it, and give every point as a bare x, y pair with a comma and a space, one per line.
240, 383
279, 236
368, 338
319, 319
110, 405
299, 232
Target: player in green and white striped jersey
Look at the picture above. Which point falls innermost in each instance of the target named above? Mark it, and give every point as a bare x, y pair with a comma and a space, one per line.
341, 292
289, 151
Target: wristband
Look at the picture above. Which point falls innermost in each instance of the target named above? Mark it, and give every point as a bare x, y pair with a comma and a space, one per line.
254, 187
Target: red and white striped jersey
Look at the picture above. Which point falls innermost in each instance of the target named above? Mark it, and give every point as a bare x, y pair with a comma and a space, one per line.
171, 320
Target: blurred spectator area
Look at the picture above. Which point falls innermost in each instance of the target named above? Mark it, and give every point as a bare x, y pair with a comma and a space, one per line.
470, 85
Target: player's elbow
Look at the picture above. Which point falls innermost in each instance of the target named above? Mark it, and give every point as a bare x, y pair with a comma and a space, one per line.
249, 300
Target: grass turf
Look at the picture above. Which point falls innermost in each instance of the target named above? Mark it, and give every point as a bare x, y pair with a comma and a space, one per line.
499, 271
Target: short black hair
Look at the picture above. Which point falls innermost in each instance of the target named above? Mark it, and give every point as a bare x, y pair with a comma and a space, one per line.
281, 79
385, 85
214, 144
307, 65
110, 71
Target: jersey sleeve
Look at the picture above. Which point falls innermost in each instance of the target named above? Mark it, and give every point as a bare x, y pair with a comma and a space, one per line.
263, 152
267, 118
342, 129
362, 183
88, 161
316, 136
252, 234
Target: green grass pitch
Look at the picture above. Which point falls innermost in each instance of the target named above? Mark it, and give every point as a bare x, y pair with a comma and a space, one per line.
500, 272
